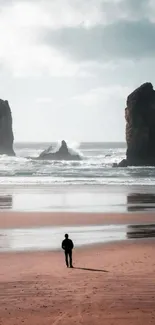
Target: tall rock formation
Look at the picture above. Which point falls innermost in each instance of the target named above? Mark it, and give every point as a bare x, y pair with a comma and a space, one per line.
62, 154
6, 132
140, 127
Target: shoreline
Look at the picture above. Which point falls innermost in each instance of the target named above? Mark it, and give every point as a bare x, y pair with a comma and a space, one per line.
65, 198
111, 283
37, 219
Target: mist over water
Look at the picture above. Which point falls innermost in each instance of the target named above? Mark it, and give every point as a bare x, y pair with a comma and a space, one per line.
95, 168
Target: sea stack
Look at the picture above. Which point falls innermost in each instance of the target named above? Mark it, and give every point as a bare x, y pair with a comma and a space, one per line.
6, 132
62, 154
140, 127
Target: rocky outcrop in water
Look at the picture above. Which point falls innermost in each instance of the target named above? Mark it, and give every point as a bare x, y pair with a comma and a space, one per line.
6, 132
62, 154
46, 152
140, 127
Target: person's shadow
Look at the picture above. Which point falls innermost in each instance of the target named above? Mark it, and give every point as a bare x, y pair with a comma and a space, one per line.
88, 269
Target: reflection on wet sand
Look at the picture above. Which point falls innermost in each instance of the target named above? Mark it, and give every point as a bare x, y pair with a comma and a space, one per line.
49, 238
5, 202
141, 231
140, 202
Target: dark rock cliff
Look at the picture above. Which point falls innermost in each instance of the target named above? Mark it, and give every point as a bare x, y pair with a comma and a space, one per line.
140, 127
6, 132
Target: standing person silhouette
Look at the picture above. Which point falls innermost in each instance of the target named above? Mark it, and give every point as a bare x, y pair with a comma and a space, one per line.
67, 246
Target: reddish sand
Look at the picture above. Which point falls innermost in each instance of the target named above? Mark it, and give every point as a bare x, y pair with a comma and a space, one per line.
30, 219
36, 288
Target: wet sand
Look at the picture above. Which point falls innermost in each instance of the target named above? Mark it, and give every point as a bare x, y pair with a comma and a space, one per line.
76, 198
50, 238
118, 288
38, 219
111, 284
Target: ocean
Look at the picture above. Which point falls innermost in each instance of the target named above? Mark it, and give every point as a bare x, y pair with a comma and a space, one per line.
92, 184
95, 168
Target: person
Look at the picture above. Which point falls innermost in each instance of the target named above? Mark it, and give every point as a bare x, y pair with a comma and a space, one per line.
67, 246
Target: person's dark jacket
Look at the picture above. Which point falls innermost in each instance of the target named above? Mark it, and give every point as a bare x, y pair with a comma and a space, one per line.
67, 245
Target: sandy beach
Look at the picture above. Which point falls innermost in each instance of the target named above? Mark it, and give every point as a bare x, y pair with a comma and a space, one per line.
33, 219
111, 284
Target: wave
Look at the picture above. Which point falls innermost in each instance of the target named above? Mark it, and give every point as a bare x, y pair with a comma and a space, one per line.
94, 169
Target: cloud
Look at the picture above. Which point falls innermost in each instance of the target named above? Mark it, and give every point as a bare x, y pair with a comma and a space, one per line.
134, 9
44, 100
72, 63
69, 13
121, 40
100, 93
20, 52
61, 37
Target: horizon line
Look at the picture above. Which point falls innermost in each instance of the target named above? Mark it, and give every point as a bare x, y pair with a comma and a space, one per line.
18, 142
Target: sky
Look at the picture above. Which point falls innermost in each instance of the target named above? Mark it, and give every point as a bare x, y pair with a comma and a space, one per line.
67, 66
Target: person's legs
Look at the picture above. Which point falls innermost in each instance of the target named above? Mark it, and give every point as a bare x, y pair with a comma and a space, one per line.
66, 258
70, 258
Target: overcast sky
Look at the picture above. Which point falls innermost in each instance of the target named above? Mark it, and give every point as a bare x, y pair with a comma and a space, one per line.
67, 66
